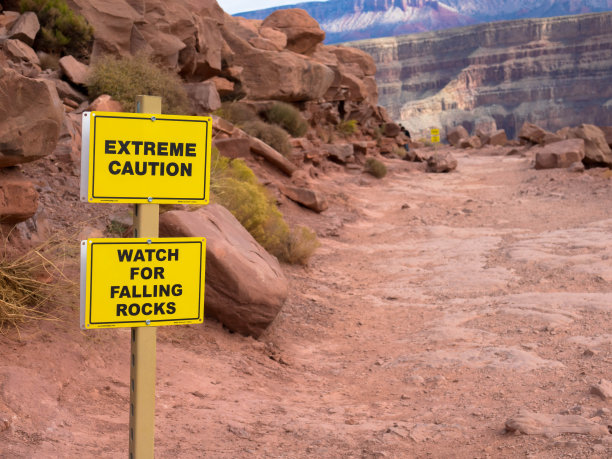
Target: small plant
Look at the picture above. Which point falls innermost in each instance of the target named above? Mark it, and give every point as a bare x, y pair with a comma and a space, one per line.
288, 117
125, 78
116, 228
347, 127
400, 152
300, 245
236, 113
49, 61
375, 167
273, 135
61, 29
235, 187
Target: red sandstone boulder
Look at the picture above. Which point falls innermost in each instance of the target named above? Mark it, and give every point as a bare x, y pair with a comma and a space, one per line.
245, 286
18, 199
203, 96
302, 31
282, 76
16, 50
74, 70
560, 154
233, 148
498, 138
596, 148
455, 135
31, 115
470, 142
441, 162
532, 133
25, 28
105, 103
307, 197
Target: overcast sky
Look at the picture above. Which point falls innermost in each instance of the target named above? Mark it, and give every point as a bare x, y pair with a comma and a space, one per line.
239, 6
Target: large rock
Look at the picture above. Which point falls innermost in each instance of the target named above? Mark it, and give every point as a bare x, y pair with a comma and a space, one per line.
283, 76
18, 200
441, 162
302, 31
596, 148
456, 134
74, 70
26, 28
340, 153
204, 96
498, 138
17, 50
532, 133
31, 115
312, 199
552, 425
245, 286
560, 154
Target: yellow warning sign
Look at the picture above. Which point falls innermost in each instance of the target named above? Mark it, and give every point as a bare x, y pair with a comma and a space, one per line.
435, 136
143, 158
142, 282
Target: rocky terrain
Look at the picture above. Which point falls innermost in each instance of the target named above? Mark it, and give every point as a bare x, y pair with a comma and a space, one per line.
348, 20
457, 307
552, 72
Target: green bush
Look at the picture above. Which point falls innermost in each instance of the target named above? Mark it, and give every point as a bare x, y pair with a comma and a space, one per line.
235, 187
273, 135
236, 112
125, 78
288, 117
62, 31
375, 167
347, 127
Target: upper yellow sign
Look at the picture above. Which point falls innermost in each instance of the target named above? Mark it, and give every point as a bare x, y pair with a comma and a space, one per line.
142, 282
144, 158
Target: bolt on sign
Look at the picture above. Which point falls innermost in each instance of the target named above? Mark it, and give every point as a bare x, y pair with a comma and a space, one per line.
142, 282
142, 158
435, 136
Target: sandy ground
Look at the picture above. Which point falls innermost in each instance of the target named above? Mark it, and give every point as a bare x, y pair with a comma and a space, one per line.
438, 307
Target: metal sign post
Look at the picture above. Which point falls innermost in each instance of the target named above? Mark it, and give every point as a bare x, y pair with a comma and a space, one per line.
144, 339
143, 158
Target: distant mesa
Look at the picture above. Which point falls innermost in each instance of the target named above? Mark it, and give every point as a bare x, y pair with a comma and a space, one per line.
553, 72
348, 20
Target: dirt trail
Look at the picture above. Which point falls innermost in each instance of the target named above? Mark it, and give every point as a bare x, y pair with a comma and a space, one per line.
438, 307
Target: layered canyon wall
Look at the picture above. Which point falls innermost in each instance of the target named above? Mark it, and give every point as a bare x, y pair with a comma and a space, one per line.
553, 72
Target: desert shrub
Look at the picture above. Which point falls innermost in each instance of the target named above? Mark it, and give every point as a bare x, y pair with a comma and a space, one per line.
375, 167
22, 289
400, 152
49, 61
61, 29
288, 117
273, 135
347, 127
236, 113
125, 78
235, 187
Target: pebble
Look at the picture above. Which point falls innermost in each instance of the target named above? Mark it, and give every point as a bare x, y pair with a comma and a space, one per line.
602, 389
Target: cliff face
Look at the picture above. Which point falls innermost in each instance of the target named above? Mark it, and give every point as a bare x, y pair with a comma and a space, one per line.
345, 20
553, 72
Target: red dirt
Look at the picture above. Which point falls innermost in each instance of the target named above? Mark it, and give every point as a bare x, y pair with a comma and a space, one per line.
438, 306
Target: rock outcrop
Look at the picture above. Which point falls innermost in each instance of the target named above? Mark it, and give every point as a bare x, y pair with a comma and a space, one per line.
553, 72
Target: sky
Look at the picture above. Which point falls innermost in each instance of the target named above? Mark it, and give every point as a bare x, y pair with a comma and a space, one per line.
240, 6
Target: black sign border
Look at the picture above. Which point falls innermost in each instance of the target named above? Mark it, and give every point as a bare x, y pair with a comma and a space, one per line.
167, 321
144, 198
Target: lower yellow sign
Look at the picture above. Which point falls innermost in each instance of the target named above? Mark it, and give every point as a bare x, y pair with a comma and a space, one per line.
142, 282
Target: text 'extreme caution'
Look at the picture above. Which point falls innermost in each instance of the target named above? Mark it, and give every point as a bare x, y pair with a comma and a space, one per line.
142, 282
141, 158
